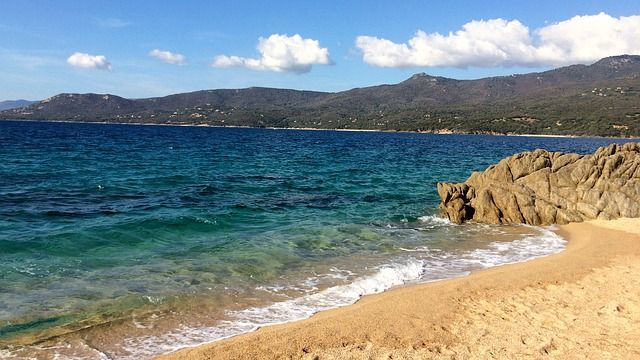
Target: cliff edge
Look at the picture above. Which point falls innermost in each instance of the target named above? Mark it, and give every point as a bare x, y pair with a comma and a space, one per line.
541, 187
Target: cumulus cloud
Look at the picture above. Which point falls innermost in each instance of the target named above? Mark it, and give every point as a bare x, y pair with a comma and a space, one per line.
498, 42
86, 61
280, 53
168, 57
588, 38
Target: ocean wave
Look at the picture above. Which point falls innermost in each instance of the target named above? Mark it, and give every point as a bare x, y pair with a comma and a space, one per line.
432, 266
446, 265
419, 264
435, 220
303, 307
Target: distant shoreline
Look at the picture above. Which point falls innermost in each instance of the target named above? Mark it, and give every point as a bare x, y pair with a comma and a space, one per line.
439, 132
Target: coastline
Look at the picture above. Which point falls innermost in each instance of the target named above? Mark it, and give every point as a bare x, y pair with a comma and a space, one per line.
437, 132
511, 310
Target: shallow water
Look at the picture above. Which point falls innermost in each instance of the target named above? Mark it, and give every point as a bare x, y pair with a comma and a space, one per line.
134, 240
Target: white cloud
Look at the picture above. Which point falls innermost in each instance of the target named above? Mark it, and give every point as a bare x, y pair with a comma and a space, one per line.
588, 38
112, 22
280, 53
86, 61
168, 57
498, 42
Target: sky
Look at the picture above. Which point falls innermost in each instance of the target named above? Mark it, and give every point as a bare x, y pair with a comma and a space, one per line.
141, 49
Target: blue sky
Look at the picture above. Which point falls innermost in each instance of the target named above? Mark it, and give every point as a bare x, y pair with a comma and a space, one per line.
341, 44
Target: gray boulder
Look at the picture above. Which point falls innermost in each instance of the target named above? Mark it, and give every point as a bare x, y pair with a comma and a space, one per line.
541, 187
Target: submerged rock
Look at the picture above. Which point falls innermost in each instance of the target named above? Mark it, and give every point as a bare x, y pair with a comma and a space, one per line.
541, 187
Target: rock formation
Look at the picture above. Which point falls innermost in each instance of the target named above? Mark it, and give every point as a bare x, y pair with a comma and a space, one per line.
541, 187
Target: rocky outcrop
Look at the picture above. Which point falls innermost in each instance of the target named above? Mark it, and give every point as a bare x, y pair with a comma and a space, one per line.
541, 187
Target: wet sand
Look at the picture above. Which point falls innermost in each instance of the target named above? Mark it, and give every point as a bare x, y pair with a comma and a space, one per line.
581, 303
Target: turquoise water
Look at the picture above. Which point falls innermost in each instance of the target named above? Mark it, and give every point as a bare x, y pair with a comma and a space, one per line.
159, 237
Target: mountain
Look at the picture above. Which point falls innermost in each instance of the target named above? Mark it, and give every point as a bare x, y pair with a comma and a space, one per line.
14, 104
598, 99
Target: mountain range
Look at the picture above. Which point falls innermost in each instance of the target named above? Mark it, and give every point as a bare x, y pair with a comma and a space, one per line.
599, 99
14, 104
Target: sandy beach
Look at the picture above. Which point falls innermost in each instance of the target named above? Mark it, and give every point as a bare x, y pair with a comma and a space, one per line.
581, 303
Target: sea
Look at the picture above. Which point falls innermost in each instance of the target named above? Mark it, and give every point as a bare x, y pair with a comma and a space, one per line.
129, 241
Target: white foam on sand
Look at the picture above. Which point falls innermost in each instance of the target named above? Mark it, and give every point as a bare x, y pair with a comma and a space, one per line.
419, 264
251, 319
423, 265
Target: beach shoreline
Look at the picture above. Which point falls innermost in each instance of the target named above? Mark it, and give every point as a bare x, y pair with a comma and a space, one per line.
510, 310
436, 132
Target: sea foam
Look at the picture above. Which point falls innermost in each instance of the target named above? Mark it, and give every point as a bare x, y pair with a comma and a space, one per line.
423, 265
435, 220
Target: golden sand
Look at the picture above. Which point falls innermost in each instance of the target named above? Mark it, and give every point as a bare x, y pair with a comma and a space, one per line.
583, 303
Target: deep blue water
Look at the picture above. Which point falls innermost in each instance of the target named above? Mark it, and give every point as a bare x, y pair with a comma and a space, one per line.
115, 220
